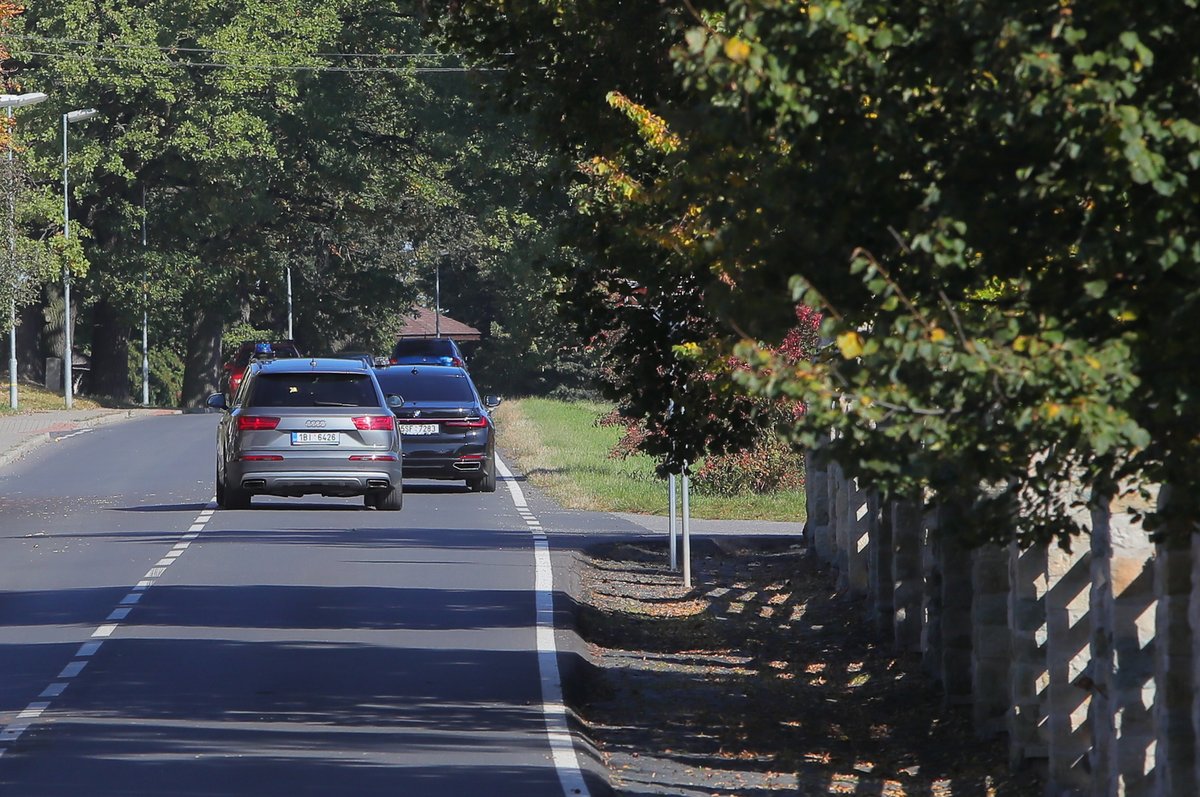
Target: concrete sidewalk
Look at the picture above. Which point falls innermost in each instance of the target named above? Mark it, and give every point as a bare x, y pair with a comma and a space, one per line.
21, 433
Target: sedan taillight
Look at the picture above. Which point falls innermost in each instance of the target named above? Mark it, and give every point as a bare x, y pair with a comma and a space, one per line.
256, 423
469, 423
375, 423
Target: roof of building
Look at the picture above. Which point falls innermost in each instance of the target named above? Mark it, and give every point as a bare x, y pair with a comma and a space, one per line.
423, 324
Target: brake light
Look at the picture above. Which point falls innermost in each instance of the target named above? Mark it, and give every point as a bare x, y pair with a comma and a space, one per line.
374, 423
468, 423
235, 380
260, 458
374, 458
256, 423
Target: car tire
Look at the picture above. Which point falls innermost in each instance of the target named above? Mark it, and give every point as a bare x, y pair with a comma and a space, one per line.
232, 497
485, 483
389, 500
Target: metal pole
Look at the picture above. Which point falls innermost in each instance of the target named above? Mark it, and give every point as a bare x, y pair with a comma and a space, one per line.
437, 300
67, 355
687, 534
12, 265
289, 300
145, 313
671, 529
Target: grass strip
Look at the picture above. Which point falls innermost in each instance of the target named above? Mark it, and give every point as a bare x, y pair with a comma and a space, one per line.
561, 450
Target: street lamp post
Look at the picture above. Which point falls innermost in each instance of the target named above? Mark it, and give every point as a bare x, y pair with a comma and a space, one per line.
437, 295
289, 301
68, 388
145, 314
8, 102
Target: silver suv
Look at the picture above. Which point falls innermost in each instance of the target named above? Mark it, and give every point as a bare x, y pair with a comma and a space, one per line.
304, 426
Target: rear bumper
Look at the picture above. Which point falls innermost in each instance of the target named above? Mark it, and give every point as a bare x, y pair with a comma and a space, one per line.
466, 463
261, 478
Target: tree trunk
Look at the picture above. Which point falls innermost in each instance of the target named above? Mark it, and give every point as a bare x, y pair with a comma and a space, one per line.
110, 352
202, 363
31, 357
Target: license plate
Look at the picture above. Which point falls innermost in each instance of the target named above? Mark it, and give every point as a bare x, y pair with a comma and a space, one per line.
418, 428
316, 438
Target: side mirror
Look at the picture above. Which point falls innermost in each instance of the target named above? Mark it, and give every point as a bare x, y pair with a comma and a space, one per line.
394, 401
492, 402
217, 402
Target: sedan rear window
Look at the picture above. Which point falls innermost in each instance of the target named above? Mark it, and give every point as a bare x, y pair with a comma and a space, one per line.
427, 387
312, 390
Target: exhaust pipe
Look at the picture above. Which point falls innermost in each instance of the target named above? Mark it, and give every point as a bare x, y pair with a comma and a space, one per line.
467, 465
378, 484
253, 484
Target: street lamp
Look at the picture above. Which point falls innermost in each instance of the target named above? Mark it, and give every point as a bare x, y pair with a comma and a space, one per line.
71, 116
8, 102
145, 314
437, 295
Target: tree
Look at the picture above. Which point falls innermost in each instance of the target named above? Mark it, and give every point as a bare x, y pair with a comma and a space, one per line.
990, 204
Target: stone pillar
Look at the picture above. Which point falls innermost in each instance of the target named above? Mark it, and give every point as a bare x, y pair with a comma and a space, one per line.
1123, 629
991, 641
816, 499
956, 571
1175, 769
907, 579
879, 565
931, 594
1028, 675
856, 529
826, 538
843, 510
1068, 653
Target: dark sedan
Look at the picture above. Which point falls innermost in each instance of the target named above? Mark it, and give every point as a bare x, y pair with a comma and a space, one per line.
445, 425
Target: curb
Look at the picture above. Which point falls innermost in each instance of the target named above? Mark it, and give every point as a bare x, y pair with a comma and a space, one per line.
110, 417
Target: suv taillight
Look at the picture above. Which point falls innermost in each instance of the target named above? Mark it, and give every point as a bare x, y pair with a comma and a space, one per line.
469, 423
256, 423
375, 423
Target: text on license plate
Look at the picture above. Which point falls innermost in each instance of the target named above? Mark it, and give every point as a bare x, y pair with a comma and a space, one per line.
418, 428
316, 438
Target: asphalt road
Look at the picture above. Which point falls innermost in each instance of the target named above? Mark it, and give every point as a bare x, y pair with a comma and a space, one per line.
150, 646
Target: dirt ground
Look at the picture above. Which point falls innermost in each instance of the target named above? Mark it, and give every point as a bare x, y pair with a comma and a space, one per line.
762, 681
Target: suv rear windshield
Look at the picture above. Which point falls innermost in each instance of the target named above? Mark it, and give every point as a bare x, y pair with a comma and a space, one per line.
312, 390
438, 347
427, 387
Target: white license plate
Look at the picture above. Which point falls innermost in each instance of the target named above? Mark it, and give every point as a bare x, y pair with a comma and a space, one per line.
316, 438
418, 428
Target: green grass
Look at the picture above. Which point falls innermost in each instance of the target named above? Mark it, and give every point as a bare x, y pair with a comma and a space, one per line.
34, 398
559, 447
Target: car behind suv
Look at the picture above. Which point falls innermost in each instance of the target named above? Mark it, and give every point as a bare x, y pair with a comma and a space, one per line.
427, 351
446, 426
234, 371
308, 426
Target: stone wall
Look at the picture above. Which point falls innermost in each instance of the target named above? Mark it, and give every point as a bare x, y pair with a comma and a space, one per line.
1082, 661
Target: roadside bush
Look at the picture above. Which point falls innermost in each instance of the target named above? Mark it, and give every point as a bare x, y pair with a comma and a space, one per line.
166, 375
771, 466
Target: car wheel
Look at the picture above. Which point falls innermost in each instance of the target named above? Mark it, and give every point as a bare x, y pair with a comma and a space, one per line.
371, 500
229, 497
485, 483
390, 500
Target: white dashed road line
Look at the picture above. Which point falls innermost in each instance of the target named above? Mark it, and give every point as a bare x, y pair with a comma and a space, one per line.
26, 717
558, 733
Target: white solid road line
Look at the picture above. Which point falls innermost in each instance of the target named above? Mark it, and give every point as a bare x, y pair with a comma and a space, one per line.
558, 732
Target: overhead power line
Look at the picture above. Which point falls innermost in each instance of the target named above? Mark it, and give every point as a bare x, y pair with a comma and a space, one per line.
170, 49
187, 64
